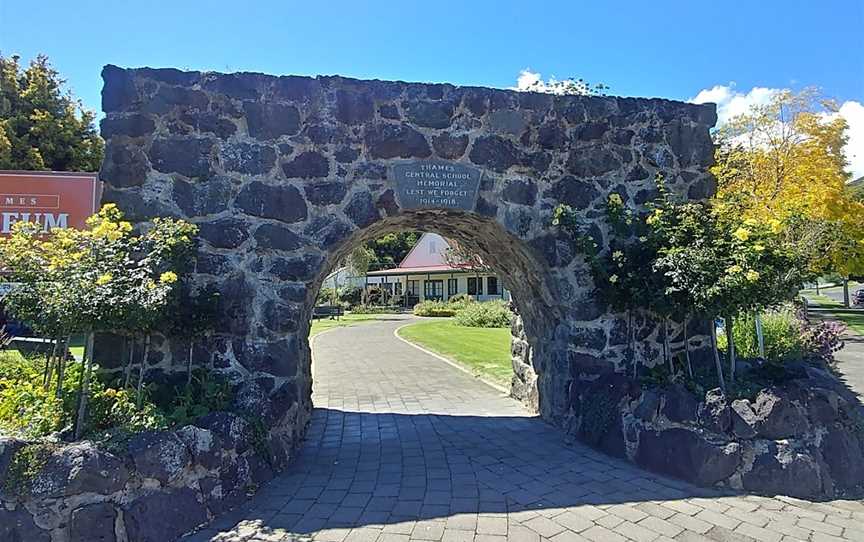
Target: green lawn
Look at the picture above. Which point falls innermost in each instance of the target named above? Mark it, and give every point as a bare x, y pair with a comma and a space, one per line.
823, 300
323, 324
483, 351
853, 319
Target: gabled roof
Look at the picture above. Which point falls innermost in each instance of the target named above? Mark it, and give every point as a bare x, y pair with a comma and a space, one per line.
428, 255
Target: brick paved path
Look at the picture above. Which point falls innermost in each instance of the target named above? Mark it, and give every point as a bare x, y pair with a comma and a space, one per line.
403, 447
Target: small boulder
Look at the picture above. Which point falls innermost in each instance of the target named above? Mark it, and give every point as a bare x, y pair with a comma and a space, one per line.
743, 419
233, 430
843, 452
159, 454
18, 526
777, 417
679, 405
783, 471
79, 468
687, 455
203, 445
163, 516
93, 523
714, 414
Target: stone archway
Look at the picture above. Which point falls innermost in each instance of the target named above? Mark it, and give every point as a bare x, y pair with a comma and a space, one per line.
282, 174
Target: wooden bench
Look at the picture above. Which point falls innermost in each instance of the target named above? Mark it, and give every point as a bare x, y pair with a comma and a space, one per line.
327, 311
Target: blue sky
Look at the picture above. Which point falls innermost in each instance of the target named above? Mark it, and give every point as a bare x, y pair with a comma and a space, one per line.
667, 48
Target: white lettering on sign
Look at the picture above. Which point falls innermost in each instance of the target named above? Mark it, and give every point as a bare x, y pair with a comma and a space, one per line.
48, 221
437, 184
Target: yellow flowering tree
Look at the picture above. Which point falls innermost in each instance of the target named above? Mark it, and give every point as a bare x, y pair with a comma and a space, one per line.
783, 162
102, 278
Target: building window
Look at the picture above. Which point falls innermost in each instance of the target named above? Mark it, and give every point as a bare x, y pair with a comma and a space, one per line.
413, 289
475, 286
492, 285
433, 289
452, 287
397, 288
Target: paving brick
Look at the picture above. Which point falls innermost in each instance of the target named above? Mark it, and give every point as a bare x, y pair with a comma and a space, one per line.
385, 449
635, 532
602, 534
690, 523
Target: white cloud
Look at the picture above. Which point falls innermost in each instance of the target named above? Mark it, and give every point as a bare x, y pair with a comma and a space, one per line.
853, 112
731, 102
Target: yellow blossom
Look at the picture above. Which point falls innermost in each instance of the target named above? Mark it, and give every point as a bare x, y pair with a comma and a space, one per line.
742, 233
654, 217
758, 248
615, 199
752, 275
104, 279
752, 222
168, 277
613, 279
733, 269
776, 226
151, 285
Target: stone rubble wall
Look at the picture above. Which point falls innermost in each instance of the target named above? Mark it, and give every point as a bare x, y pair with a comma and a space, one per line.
804, 438
162, 486
284, 175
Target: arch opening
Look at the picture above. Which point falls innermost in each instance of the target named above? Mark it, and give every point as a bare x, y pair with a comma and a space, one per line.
532, 291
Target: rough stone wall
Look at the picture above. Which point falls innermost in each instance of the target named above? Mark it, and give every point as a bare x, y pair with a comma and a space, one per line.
285, 174
165, 484
803, 438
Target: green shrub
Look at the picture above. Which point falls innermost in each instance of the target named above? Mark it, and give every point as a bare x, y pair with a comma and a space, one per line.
376, 309
435, 309
487, 314
782, 334
460, 298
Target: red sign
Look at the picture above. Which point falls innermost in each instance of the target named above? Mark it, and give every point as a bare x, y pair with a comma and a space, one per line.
50, 198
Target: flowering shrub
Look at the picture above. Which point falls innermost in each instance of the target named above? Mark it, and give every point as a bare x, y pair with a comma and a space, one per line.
102, 278
486, 314
435, 309
823, 339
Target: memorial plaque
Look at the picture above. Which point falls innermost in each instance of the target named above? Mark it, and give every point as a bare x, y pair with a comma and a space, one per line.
435, 183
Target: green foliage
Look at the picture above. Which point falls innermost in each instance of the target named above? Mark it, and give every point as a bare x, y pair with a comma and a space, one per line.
27, 408
389, 250
115, 410
435, 309
25, 465
101, 278
486, 314
206, 393
782, 332
41, 126
375, 309
460, 298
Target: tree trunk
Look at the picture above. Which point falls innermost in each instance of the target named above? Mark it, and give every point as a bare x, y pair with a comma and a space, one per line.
687, 348
49, 357
760, 335
140, 396
846, 292
61, 367
84, 387
730, 347
189, 365
717, 363
128, 372
667, 350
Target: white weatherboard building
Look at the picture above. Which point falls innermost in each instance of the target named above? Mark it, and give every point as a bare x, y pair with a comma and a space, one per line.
424, 274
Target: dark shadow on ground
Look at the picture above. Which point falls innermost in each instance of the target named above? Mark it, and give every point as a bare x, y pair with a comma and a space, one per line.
357, 469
